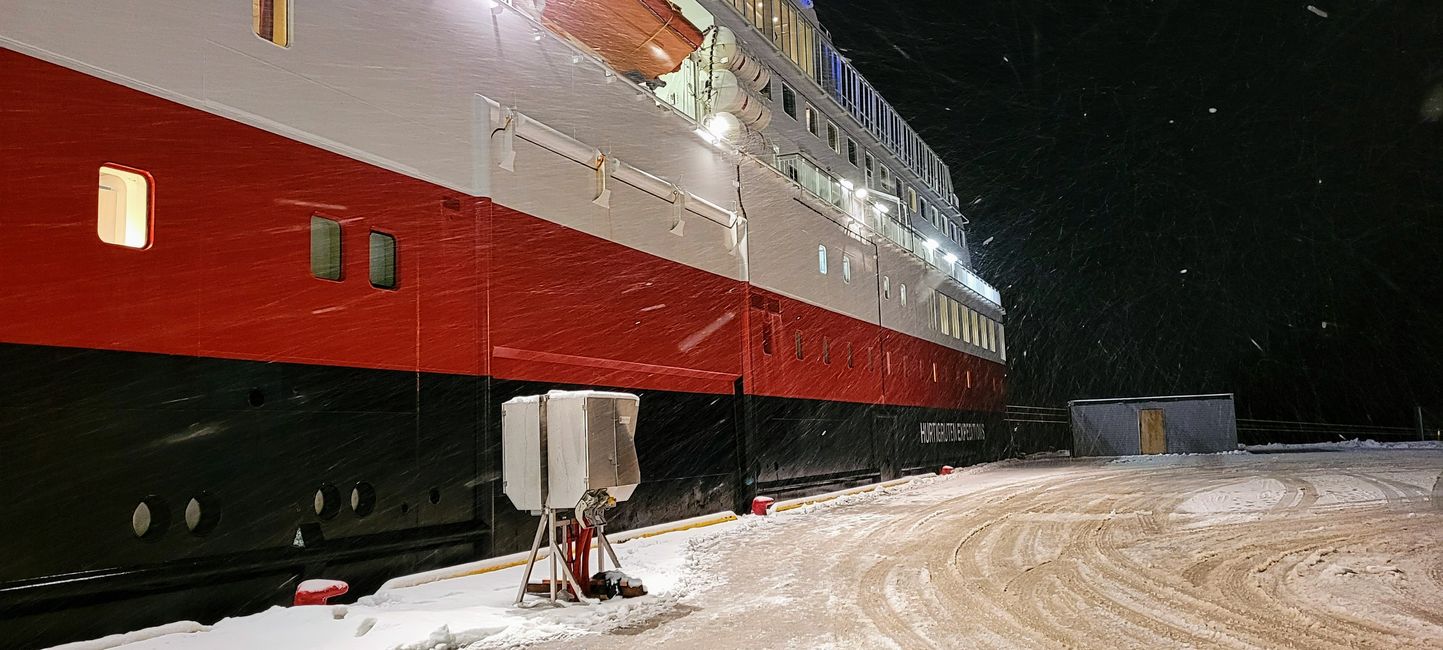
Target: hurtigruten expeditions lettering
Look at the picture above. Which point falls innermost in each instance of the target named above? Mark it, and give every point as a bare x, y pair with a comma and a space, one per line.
951, 432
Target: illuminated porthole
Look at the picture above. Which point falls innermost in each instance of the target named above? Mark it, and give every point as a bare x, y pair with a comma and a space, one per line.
150, 518
327, 501
271, 20
123, 209
202, 514
363, 499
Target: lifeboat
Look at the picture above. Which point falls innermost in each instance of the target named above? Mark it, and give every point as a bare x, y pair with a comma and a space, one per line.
641, 39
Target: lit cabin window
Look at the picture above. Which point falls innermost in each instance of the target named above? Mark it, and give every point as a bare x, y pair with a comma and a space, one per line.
325, 248
383, 260
846, 269
123, 208
834, 138
956, 321
902, 293
822, 259
271, 20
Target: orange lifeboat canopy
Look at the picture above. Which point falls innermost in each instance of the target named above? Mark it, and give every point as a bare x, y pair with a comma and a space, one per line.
641, 39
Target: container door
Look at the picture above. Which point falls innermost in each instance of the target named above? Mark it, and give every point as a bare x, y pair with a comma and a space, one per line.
1152, 431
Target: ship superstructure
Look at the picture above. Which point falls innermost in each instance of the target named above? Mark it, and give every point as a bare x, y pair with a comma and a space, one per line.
280, 263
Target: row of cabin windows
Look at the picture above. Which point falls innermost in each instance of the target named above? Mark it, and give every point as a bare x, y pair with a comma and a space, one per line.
124, 216
326, 254
795, 37
876, 176
905, 366
822, 264
956, 320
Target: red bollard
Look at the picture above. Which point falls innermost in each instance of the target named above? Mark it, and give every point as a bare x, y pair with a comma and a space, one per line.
946, 469
760, 505
317, 592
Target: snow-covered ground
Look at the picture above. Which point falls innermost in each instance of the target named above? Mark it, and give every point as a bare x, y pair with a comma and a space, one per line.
1300, 550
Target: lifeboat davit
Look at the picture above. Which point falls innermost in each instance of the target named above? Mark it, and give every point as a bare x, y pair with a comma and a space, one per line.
641, 39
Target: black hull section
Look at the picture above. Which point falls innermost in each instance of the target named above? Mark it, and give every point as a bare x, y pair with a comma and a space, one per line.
87, 435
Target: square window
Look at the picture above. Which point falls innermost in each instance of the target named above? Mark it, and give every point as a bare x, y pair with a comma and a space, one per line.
123, 207
271, 20
383, 260
325, 248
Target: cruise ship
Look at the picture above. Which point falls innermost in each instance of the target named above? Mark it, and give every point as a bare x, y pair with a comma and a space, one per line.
275, 266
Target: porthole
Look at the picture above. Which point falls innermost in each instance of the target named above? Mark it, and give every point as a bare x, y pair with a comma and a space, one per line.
256, 397
202, 514
150, 518
327, 502
435, 496
363, 499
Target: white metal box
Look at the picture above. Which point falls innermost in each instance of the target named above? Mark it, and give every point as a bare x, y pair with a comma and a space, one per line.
521, 471
558, 446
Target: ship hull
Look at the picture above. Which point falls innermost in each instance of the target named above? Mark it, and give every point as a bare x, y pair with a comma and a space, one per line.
214, 367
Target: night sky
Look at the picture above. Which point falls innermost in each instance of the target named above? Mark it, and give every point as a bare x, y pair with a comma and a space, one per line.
1287, 247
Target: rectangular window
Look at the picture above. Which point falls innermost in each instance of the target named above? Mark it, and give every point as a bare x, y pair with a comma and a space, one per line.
834, 138
123, 207
271, 20
976, 329
813, 123
797, 336
325, 248
822, 259
992, 335
944, 314
766, 90
383, 260
956, 321
852, 151
1001, 342
966, 325
789, 101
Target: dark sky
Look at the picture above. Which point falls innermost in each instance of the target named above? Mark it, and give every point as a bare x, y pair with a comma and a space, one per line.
1287, 247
